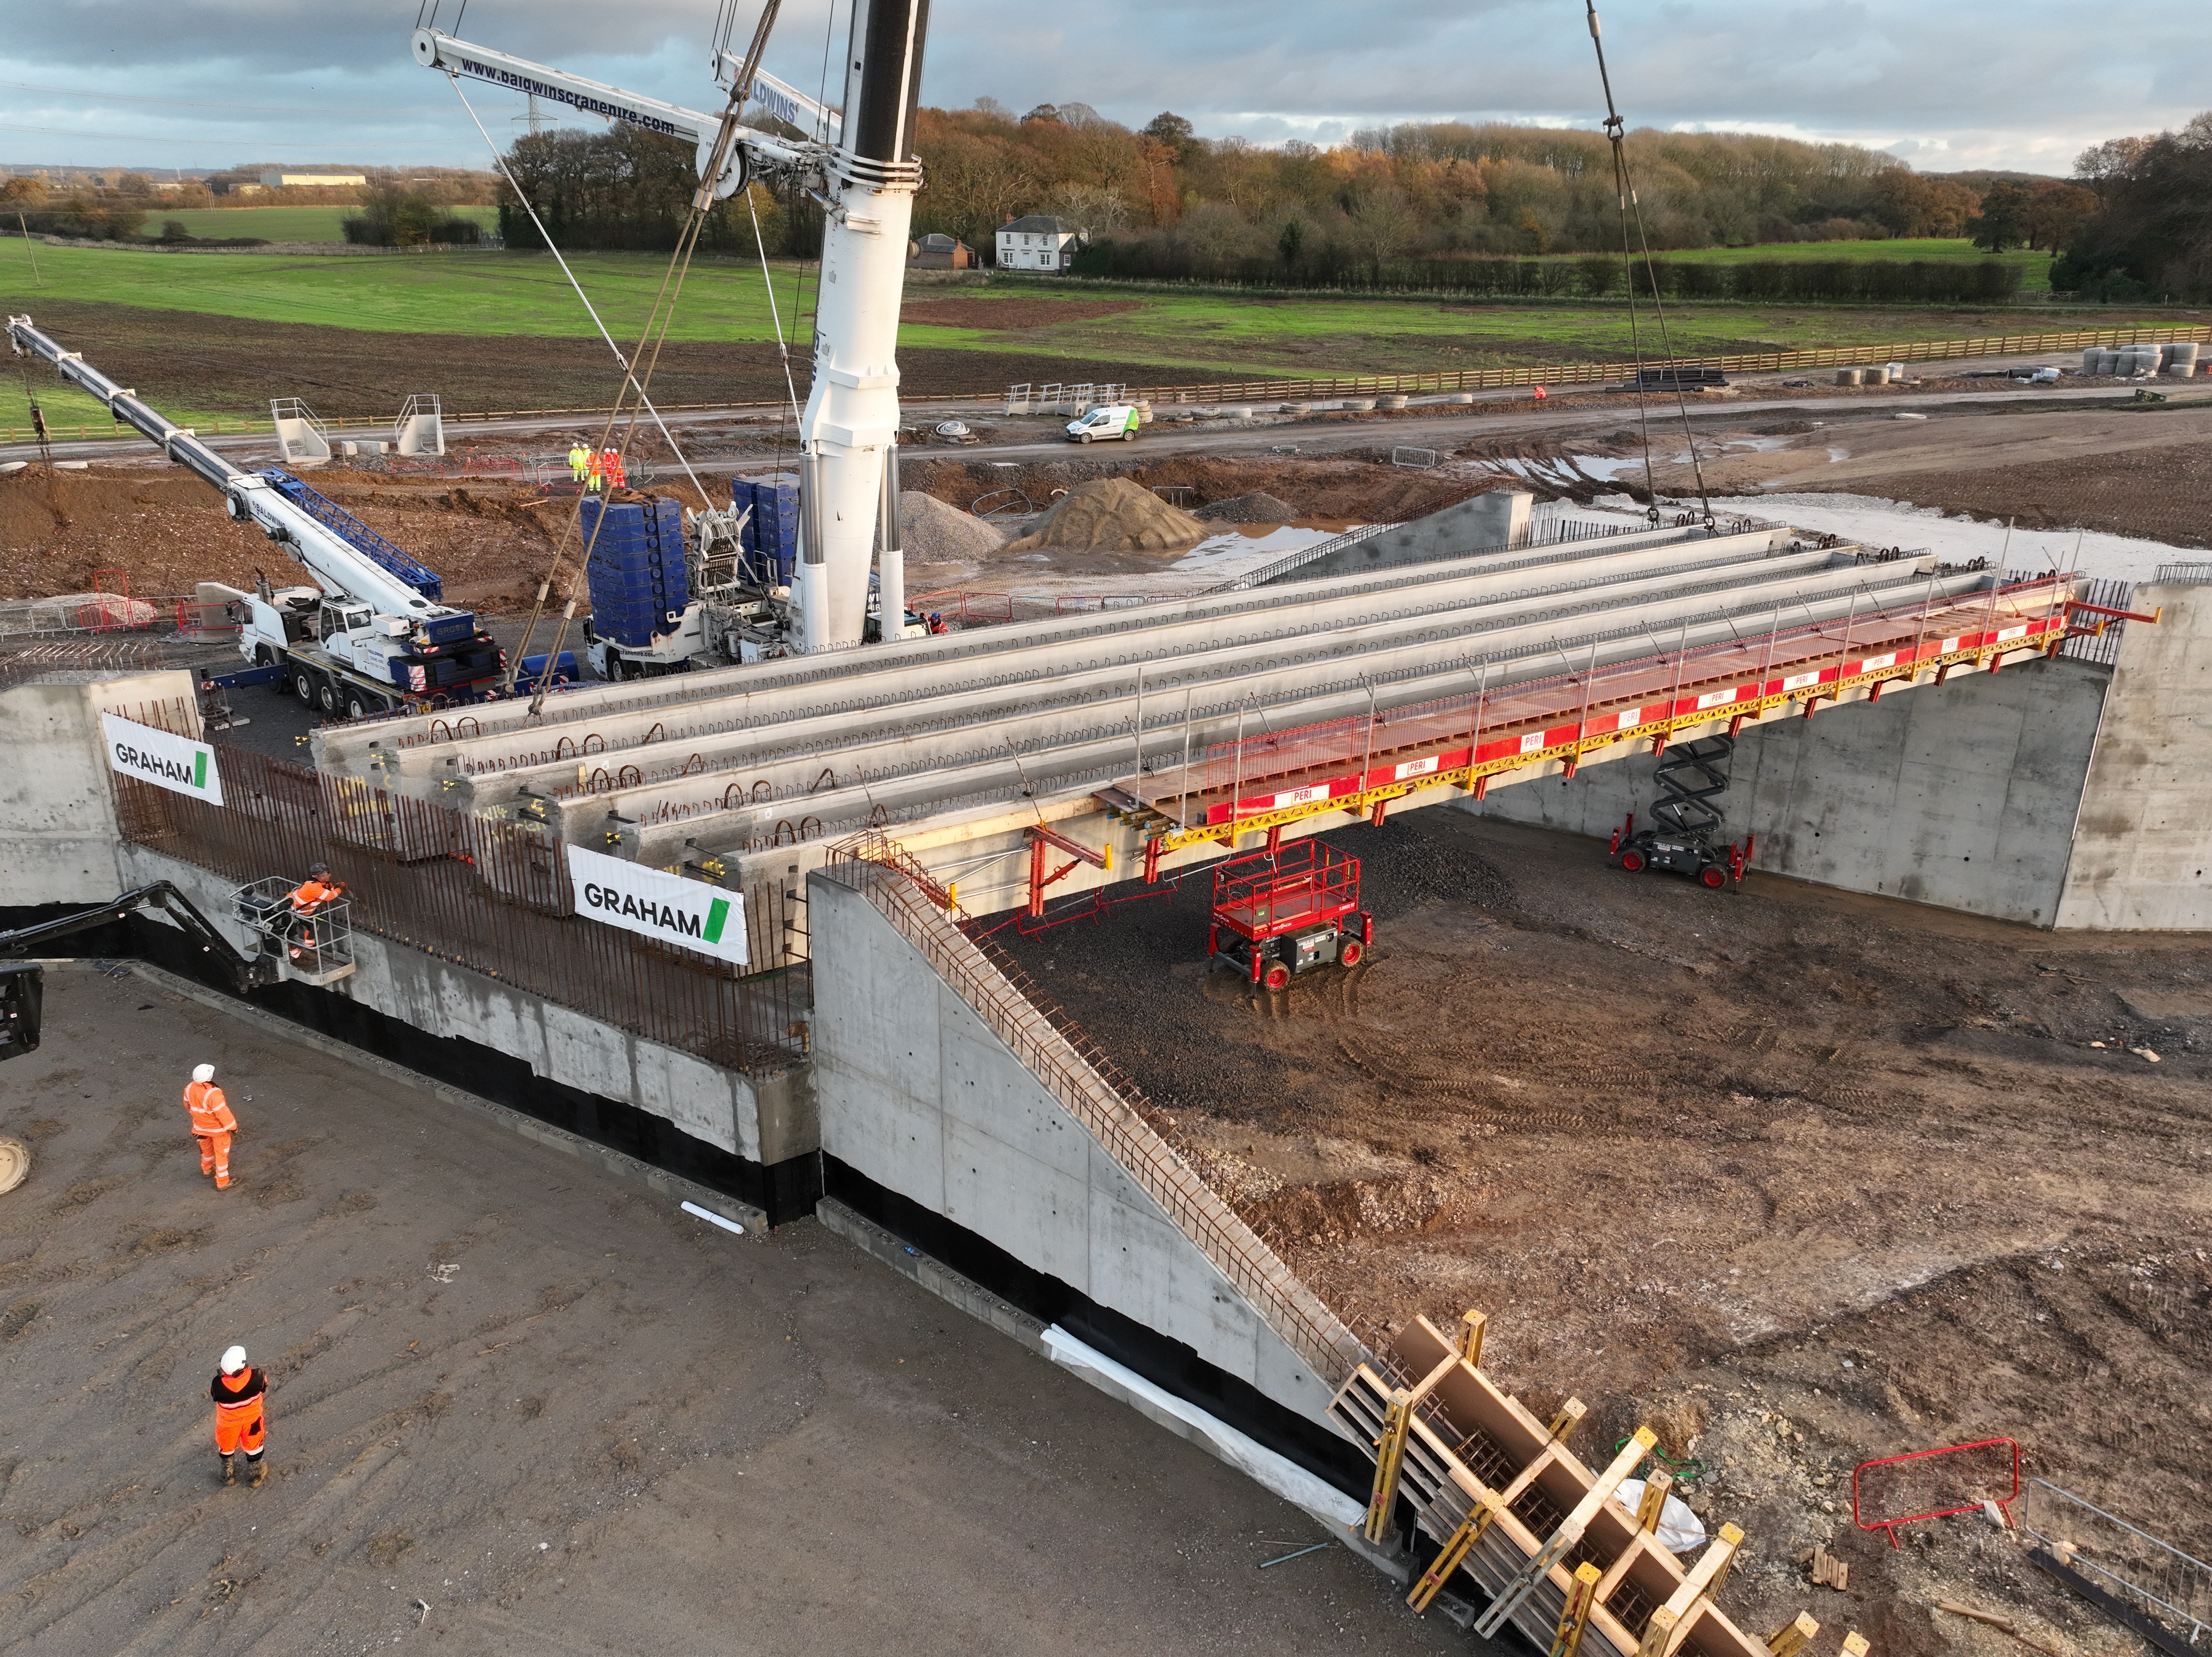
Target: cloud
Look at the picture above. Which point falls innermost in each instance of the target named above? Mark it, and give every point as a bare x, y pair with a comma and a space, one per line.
2024, 83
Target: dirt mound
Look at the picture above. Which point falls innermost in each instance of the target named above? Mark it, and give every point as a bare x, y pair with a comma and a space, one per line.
1258, 507
935, 533
1112, 514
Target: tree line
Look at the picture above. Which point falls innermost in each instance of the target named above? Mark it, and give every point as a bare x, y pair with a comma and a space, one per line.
2150, 235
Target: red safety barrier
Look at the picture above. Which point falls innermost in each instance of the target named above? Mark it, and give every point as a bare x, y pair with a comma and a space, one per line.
1901, 1490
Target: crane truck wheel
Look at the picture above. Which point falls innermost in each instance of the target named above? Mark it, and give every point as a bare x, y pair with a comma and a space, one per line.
327, 697
303, 687
15, 1164
357, 707
1631, 861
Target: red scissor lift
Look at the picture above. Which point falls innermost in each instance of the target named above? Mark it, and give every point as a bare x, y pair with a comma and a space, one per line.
1289, 911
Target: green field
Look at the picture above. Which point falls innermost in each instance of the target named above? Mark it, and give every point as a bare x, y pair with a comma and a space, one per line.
2035, 266
277, 223
1232, 335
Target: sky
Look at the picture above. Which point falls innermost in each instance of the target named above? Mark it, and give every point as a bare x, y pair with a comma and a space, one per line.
1943, 84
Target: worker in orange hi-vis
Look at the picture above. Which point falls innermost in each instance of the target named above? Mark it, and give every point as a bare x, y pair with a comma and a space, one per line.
212, 1124
617, 478
241, 1416
594, 473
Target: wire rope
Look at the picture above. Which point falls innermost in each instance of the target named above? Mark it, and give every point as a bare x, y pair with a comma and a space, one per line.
1625, 185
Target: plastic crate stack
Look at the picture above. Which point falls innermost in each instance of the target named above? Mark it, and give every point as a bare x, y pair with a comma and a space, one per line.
770, 542
638, 581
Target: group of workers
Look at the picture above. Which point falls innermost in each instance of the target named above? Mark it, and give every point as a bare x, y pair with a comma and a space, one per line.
240, 1391
597, 469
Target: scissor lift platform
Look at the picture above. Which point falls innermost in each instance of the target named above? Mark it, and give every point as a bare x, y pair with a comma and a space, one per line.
1289, 910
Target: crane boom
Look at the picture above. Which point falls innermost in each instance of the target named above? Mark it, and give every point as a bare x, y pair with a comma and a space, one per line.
371, 619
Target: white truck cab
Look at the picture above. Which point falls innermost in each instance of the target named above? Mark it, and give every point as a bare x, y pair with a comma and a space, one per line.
1106, 424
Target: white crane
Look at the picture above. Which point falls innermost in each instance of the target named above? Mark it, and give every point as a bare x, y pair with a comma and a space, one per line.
365, 637
866, 178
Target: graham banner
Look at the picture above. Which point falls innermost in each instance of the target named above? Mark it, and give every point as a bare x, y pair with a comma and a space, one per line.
655, 903
167, 760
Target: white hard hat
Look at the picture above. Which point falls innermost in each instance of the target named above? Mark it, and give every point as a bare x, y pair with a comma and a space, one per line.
203, 1072
233, 1360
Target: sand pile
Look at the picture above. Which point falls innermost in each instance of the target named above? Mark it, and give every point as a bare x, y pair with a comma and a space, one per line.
1112, 514
936, 533
1258, 507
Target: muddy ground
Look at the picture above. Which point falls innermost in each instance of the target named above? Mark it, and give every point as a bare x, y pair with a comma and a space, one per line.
547, 1406
1800, 1178
185, 360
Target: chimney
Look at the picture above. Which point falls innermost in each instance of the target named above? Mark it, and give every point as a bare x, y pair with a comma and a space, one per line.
1010, 218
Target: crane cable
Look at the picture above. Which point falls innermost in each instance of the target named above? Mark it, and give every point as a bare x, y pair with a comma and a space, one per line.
653, 336
1625, 189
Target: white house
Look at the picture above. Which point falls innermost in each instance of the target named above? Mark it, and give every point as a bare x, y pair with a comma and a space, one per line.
1040, 242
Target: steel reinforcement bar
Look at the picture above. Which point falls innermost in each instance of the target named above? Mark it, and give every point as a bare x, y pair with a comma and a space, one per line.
1093, 1091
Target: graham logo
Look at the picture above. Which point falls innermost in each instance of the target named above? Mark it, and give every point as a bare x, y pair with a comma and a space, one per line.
657, 904
161, 758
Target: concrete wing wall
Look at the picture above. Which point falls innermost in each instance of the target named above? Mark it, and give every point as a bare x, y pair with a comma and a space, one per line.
57, 835
1961, 795
2143, 853
916, 1092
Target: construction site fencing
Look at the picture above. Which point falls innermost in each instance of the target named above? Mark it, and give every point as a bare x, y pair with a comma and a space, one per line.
494, 897
1589, 374
2153, 1579
1094, 1090
1904, 1490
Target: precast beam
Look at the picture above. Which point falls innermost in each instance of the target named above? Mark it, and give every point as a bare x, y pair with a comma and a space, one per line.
1065, 700
622, 714
1338, 678
890, 781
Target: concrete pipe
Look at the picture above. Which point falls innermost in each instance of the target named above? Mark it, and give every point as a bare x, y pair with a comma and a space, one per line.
1461, 397
1358, 404
1396, 400
2093, 359
1850, 376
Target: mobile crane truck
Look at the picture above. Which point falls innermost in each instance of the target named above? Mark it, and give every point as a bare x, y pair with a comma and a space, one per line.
371, 634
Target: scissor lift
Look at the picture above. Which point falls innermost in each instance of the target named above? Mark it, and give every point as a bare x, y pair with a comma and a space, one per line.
1289, 911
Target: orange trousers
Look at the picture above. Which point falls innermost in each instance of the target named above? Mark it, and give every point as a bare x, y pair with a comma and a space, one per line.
240, 1427
215, 1156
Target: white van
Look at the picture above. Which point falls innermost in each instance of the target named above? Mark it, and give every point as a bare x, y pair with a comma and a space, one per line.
1106, 424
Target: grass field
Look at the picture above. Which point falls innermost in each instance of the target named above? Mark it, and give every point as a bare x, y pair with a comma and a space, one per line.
484, 295
277, 223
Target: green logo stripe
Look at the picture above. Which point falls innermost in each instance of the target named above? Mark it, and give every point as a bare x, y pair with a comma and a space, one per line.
199, 769
716, 914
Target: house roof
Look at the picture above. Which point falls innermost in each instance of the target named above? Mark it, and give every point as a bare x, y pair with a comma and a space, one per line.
1042, 224
938, 242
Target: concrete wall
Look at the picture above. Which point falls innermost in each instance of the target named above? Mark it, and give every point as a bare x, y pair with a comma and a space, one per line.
765, 1119
1489, 520
2143, 851
917, 1094
1962, 795
58, 836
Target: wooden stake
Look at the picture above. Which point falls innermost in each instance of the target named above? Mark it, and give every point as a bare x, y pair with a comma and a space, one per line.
1574, 1616
1570, 1417
1472, 1325
1791, 1637
1658, 1633
1855, 1644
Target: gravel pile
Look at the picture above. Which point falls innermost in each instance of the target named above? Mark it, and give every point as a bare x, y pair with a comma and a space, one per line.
936, 533
1112, 514
1259, 507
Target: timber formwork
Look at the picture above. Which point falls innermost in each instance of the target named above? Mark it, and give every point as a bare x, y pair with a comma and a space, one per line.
1524, 1523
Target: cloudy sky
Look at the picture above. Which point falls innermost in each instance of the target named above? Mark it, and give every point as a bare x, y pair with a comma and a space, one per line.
1943, 83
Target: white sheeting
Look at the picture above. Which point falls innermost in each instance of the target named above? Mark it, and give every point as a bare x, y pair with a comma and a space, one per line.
1280, 1474
1680, 1531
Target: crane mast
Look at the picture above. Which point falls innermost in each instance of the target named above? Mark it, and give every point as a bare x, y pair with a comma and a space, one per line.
866, 177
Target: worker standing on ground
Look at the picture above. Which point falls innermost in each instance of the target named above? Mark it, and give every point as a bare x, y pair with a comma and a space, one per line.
212, 1124
611, 465
579, 459
241, 1417
594, 475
